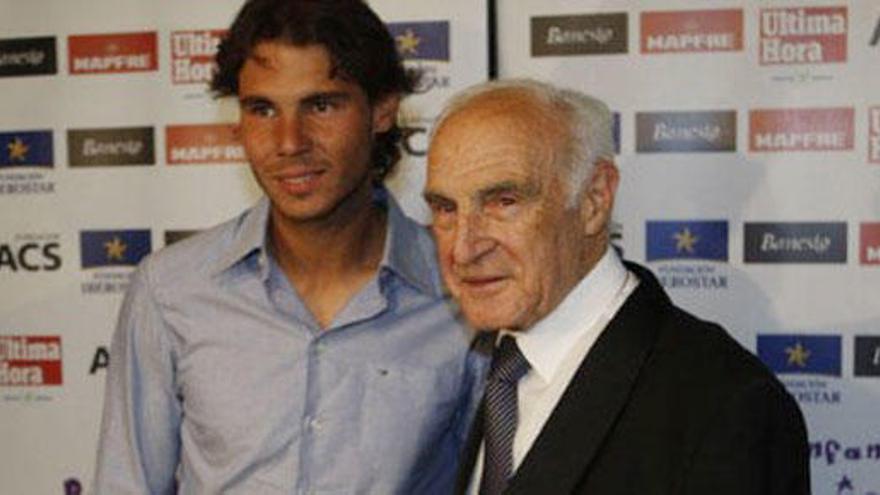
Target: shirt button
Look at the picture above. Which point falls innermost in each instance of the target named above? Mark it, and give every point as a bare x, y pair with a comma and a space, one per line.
315, 424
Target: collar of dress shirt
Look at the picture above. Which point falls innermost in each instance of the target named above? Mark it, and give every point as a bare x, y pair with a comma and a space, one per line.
546, 344
411, 263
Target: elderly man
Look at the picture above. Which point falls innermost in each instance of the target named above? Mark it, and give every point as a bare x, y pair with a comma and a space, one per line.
598, 383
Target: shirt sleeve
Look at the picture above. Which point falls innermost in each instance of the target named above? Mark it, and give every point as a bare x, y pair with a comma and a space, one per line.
139, 443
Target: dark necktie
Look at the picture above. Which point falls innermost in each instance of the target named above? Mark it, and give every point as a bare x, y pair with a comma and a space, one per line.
500, 415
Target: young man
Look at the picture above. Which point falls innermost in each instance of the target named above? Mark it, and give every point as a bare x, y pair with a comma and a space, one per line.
306, 346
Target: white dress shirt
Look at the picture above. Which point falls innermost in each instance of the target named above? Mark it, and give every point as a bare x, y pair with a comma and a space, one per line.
556, 346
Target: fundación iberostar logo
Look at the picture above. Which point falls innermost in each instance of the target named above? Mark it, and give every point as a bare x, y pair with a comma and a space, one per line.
795, 242
683, 132
692, 31
424, 46
804, 362
689, 252
192, 144
587, 34
119, 146
192, 55
112, 53
801, 129
802, 35
30, 360
28, 56
25, 159
101, 248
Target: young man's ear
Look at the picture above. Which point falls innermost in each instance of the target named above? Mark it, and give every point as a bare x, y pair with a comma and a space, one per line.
598, 197
385, 112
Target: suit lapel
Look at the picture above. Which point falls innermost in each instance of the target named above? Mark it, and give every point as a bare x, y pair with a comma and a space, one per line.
595, 397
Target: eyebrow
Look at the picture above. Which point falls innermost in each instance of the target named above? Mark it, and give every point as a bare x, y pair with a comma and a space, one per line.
526, 189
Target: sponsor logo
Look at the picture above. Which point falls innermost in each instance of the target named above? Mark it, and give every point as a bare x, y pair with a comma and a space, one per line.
25, 156
198, 144
594, 34
112, 53
72, 486
874, 134
114, 146
421, 40
867, 355
813, 129
28, 57
100, 248
30, 360
869, 254
801, 354
424, 47
846, 485
831, 451
875, 38
807, 242
192, 55
100, 361
26, 149
802, 35
692, 31
172, 236
669, 132
31, 253
414, 139
694, 241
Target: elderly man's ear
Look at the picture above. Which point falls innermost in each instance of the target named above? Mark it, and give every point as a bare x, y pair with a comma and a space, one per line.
597, 200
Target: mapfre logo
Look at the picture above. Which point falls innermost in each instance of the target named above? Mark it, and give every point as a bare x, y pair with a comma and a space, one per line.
874, 134
199, 144
809, 129
802, 35
112, 53
192, 55
869, 252
692, 31
30, 360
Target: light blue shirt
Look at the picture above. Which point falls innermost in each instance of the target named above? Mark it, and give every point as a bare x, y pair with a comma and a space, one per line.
220, 376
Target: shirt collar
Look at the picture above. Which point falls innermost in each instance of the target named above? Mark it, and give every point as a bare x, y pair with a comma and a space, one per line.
408, 251
546, 344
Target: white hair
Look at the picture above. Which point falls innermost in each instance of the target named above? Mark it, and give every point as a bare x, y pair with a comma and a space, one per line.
587, 119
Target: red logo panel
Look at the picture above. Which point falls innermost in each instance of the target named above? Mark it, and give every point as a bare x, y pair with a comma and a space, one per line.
198, 144
112, 53
802, 35
30, 360
692, 31
810, 129
869, 252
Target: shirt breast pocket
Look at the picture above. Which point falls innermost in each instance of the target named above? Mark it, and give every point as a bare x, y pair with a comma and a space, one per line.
408, 414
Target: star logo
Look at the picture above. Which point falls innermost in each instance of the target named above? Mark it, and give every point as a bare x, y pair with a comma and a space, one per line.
844, 485
797, 355
685, 241
115, 249
18, 150
408, 43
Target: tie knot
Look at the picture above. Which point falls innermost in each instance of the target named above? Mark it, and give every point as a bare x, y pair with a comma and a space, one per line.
508, 363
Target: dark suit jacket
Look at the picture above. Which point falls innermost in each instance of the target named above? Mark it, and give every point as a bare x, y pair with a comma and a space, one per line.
664, 403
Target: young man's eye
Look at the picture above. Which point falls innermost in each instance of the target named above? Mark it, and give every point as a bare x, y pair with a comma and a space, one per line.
259, 109
322, 104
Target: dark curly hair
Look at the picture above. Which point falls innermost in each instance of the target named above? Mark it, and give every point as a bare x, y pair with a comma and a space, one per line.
360, 47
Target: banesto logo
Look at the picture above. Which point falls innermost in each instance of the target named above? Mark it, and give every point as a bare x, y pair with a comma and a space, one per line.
112, 53
806, 129
692, 31
869, 254
113, 146
802, 35
197, 144
28, 57
593, 34
30, 360
867, 355
192, 55
26, 149
793, 242
665, 132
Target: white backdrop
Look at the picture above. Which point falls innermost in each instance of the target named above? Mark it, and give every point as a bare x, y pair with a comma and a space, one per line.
695, 81
62, 271
697, 188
